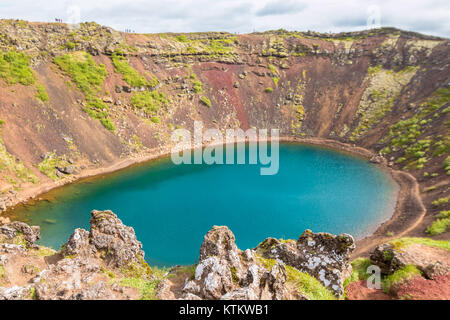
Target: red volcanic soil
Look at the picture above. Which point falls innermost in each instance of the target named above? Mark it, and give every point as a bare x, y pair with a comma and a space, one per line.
418, 288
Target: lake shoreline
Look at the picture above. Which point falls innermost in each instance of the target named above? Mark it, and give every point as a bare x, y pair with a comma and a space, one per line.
398, 224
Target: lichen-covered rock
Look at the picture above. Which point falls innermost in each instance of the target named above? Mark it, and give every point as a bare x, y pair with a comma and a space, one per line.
15, 293
31, 234
387, 258
436, 270
225, 272
115, 242
322, 255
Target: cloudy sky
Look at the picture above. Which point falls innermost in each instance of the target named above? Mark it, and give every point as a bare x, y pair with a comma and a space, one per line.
242, 16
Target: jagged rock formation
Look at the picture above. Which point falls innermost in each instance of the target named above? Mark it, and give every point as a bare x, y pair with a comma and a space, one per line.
109, 237
225, 272
79, 271
321, 255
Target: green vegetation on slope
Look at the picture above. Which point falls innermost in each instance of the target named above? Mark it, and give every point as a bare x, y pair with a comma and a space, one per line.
10, 165
143, 278
42, 93
15, 68
403, 274
149, 101
359, 271
89, 78
130, 75
379, 97
205, 101
302, 282
47, 166
404, 242
85, 73
405, 135
441, 224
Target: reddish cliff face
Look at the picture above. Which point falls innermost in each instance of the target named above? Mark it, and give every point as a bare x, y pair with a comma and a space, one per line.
113, 96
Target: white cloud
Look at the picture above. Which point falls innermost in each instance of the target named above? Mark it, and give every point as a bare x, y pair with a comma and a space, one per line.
431, 17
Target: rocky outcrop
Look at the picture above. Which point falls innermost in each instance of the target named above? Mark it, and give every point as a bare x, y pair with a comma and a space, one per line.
79, 271
225, 272
16, 228
321, 255
109, 237
432, 262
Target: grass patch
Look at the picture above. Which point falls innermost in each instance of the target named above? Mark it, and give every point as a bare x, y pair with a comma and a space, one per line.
359, 271
149, 101
404, 242
302, 282
308, 285
147, 288
89, 78
9, 163
143, 278
440, 201
129, 74
405, 273
47, 166
441, 225
206, 101
45, 252
42, 94
268, 90
15, 68
85, 73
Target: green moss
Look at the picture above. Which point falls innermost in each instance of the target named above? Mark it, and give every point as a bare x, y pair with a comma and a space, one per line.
9, 164
440, 201
155, 119
89, 78
373, 70
42, 93
149, 101
447, 165
405, 135
147, 288
205, 101
85, 73
197, 86
32, 295
15, 68
70, 45
44, 252
403, 274
143, 278
129, 74
268, 90
47, 166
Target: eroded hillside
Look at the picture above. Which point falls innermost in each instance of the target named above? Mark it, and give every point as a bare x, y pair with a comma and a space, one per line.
73, 99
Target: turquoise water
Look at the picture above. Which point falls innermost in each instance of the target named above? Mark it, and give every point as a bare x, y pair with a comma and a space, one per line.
172, 207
